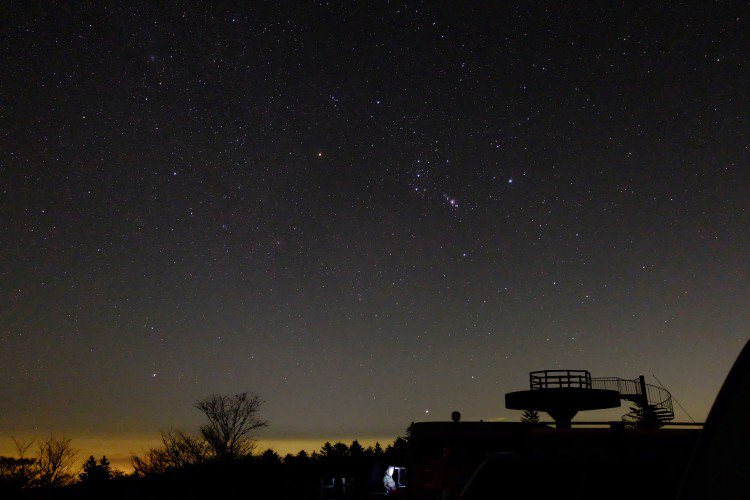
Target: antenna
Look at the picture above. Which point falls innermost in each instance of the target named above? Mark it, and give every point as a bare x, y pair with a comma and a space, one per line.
674, 398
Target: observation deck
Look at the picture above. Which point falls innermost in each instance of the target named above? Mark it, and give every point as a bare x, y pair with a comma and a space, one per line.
563, 393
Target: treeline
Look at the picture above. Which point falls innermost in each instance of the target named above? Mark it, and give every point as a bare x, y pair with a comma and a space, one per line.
220, 459
268, 475
265, 473
180, 452
50, 465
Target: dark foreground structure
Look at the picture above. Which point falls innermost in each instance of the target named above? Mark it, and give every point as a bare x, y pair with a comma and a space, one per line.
635, 456
720, 466
644, 456
518, 460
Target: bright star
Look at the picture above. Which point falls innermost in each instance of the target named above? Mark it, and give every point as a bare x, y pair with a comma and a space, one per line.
451, 201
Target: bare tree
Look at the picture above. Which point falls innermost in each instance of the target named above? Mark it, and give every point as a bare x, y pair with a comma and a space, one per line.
17, 473
22, 446
153, 462
231, 422
26, 464
55, 460
182, 449
179, 450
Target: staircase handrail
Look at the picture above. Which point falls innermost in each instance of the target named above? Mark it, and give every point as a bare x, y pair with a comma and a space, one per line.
621, 385
659, 396
656, 397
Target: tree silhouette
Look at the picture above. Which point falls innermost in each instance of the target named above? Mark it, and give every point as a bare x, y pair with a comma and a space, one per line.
152, 462
90, 470
334, 451
326, 450
340, 449
643, 415
356, 450
179, 450
18, 472
55, 461
270, 457
530, 416
182, 449
94, 471
300, 458
396, 451
231, 421
15, 473
105, 467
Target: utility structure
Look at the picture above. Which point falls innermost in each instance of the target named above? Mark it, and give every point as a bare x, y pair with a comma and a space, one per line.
563, 393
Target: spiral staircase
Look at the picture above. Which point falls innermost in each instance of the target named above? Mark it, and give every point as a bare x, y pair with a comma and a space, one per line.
652, 404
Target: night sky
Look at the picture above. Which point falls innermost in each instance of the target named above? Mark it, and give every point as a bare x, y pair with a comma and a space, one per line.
368, 214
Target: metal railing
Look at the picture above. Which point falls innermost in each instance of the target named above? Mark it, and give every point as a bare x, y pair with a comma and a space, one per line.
625, 387
557, 379
658, 410
656, 405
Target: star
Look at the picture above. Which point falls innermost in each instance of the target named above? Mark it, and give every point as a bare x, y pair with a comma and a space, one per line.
451, 201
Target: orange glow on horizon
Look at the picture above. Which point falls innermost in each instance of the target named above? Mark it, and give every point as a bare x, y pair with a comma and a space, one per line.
119, 449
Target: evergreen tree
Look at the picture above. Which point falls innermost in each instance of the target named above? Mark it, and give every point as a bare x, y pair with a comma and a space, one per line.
89, 469
396, 452
643, 415
270, 457
327, 450
530, 416
105, 468
94, 471
356, 450
340, 449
